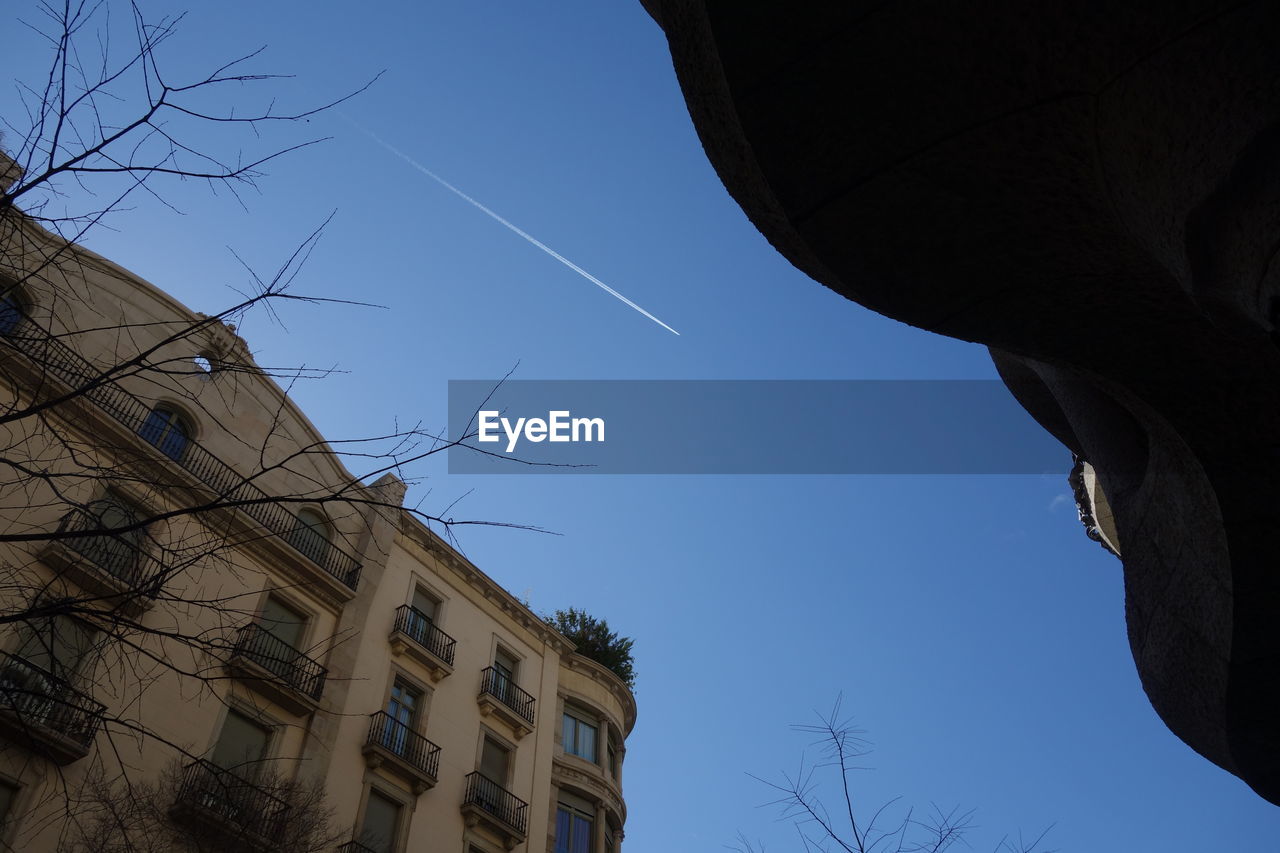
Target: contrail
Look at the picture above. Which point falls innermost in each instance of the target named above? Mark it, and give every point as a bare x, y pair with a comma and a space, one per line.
534, 240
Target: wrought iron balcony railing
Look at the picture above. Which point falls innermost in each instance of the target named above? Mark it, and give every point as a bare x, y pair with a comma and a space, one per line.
294, 669
418, 627
43, 703
119, 555
403, 742
60, 361
500, 686
497, 801
355, 847
233, 801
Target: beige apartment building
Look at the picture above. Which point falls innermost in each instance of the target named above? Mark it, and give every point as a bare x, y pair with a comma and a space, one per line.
205, 614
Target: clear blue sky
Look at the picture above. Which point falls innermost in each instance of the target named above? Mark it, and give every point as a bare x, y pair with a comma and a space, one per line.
973, 629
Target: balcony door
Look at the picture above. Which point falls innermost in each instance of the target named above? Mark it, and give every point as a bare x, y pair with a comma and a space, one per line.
425, 609
284, 623
495, 761
504, 675
242, 745
574, 825
380, 828
402, 708
59, 645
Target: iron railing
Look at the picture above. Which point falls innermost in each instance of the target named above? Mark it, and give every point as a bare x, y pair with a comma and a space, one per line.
251, 808
497, 801
42, 700
299, 672
355, 847
60, 361
500, 686
119, 555
418, 627
395, 737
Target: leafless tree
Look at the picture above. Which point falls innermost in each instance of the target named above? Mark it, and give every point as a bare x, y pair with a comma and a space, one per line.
122, 539
851, 825
136, 817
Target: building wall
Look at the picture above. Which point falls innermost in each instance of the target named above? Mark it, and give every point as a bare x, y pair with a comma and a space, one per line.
166, 673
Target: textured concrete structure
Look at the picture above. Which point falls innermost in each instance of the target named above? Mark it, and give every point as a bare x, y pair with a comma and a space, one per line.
270, 616
1092, 190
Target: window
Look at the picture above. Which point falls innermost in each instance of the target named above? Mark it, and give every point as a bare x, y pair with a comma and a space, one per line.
381, 824
426, 604
613, 761
278, 647
426, 607
242, 744
573, 825
115, 552
8, 793
402, 708
167, 430
60, 646
579, 737
10, 311
504, 675
311, 534
283, 622
495, 759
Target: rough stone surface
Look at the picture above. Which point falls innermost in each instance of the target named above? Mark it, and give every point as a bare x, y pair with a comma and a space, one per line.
1092, 190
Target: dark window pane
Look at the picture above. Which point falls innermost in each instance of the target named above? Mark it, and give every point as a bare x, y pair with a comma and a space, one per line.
381, 820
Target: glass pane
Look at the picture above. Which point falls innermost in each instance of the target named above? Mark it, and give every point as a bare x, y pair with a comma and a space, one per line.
563, 820
242, 744
381, 819
283, 621
403, 703
586, 741
117, 553
311, 534
425, 604
7, 793
58, 645
10, 314
581, 835
505, 664
164, 428
493, 761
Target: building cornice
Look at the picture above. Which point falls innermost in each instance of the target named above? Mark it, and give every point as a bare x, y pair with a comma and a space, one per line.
422, 536
221, 338
610, 681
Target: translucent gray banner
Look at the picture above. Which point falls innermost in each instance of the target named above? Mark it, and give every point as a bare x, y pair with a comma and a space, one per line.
745, 427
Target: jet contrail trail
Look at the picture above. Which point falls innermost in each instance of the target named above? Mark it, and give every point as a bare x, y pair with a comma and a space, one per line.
535, 241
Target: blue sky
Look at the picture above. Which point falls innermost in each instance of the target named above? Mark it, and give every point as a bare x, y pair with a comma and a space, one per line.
972, 628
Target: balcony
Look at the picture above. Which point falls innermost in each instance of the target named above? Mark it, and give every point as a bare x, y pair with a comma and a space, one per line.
355, 847
217, 800
113, 566
501, 698
489, 804
54, 358
401, 750
277, 670
415, 635
40, 710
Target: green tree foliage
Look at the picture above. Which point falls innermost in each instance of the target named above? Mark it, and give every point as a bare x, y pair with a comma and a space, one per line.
595, 641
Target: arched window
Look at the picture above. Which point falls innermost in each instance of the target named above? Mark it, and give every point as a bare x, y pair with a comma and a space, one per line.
115, 552
167, 430
311, 535
10, 309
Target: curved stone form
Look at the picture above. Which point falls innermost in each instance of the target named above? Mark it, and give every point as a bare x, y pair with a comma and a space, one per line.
1093, 191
